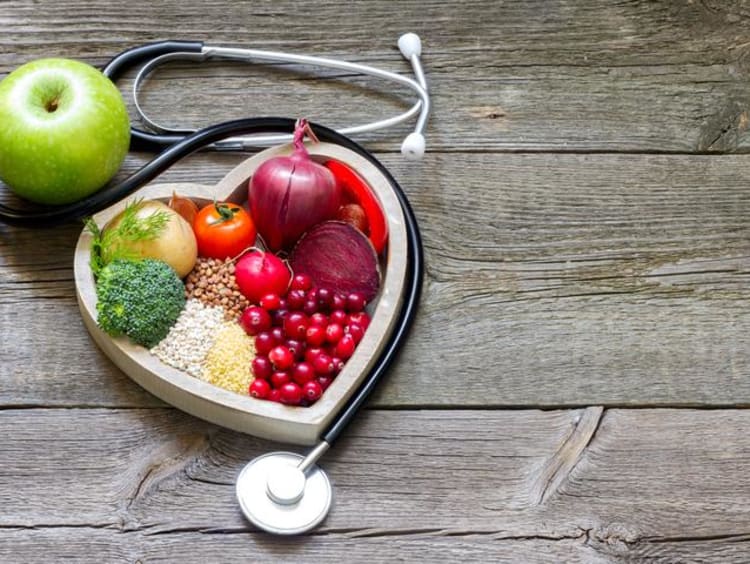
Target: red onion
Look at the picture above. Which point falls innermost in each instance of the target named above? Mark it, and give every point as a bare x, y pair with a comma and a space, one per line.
288, 195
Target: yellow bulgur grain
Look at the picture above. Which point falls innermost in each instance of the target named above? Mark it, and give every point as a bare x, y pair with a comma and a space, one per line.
227, 363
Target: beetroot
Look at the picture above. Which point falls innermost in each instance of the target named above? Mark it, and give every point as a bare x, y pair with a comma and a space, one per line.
338, 257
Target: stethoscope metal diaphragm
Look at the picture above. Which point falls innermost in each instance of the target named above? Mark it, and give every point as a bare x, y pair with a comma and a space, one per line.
278, 497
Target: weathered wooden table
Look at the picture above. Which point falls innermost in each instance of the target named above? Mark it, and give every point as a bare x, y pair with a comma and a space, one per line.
576, 385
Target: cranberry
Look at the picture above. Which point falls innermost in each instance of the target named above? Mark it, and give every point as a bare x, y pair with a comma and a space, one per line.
297, 348
312, 390
338, 364
355, 302
360, 318
278, 335
315, 335
338, 316
264, 342
278, 316
323, 364
318, 318
259, 388
279, 378
281, 357
301, 282
356, 331
345, 347
291, 393
338, 302
311, 353
334, 332
270, 302
325, 297
295, 325
302, 373
324, 380
274, 395
310, 307
295, 299
255, 320
261, 367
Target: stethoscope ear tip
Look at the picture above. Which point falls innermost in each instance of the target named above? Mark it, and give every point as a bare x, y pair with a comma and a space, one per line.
413, 146
410, 44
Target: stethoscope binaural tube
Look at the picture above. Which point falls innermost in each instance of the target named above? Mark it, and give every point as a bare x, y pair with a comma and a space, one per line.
152, 55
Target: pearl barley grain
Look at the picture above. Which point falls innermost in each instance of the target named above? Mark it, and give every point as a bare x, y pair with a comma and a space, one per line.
186, 345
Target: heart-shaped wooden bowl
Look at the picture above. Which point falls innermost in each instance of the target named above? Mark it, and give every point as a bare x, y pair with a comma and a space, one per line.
299, 425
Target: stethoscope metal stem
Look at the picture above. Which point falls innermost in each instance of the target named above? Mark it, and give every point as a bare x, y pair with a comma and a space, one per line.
313, 456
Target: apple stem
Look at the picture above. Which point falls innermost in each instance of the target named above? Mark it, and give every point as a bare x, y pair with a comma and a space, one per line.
52, 105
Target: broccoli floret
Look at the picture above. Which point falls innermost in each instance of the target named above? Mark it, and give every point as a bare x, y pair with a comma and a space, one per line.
141, 299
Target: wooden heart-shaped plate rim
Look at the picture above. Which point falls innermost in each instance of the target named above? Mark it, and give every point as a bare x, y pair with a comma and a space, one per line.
298, 425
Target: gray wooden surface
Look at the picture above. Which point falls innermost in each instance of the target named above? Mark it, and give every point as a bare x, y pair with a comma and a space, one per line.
576, 384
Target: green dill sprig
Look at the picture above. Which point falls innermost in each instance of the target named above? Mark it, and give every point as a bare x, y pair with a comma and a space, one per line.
116, 242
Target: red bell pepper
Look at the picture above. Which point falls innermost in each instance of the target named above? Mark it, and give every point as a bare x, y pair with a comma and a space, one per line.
356, 190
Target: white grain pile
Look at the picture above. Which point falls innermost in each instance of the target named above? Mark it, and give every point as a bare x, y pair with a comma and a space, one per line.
186, 345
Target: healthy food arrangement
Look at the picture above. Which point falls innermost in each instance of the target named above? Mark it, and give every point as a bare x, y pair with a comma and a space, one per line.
268, 298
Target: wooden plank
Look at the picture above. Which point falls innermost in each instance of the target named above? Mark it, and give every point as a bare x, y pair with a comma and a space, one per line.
652, 76
643, 483
92, 545
562, 280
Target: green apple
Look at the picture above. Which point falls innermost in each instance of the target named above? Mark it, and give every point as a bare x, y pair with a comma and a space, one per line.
64, 130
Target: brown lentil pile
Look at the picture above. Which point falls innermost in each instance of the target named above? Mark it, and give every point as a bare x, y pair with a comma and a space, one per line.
228, 362
212, 282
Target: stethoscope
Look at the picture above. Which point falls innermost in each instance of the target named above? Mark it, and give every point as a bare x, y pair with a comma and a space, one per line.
279, 492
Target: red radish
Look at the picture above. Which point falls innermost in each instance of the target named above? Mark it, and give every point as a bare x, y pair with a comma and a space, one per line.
288, 195
338, 257
259, 273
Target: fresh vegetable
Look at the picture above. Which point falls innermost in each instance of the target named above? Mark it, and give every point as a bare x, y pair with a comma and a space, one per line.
223, 230
355, 190
141, 299
186, 207
288, 195
338, 257
145, 229
259, 274
355, 215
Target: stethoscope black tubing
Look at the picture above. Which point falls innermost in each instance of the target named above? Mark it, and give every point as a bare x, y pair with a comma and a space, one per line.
412, 293
249, 126
141, 140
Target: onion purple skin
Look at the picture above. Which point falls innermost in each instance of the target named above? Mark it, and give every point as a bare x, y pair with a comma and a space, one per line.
337, 256
289, 195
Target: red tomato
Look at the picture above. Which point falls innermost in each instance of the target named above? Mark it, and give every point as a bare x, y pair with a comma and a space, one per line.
356, 190
223, 230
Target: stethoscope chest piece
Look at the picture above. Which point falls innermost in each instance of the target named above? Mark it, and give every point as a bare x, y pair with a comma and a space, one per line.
277, 496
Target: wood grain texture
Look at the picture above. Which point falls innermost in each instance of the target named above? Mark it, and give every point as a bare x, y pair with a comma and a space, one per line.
146, 480
506, 76
559, 280
587, 249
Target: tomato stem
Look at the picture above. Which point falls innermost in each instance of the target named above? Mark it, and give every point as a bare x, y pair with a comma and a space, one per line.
226, 212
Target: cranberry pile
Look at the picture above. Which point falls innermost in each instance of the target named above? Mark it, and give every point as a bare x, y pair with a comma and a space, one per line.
302, 340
